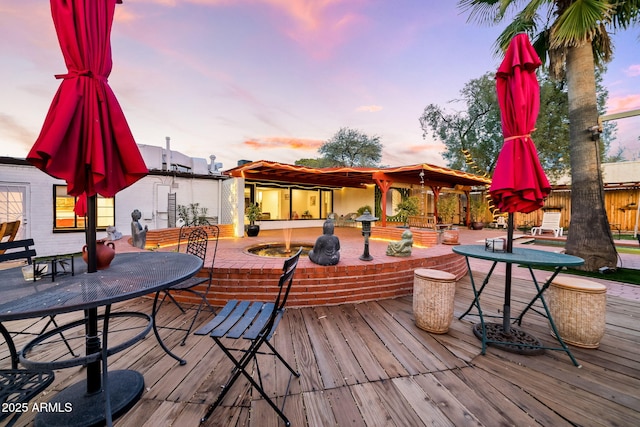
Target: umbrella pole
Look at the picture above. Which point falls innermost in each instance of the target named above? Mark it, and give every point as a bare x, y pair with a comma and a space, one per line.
90, 233
506, 314
94, 383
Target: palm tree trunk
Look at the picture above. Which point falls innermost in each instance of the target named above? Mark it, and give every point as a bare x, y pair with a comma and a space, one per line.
589, 236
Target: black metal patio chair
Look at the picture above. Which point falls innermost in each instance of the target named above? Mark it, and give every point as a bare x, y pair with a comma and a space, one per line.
19, 386
197, 245
256, 322
22, 250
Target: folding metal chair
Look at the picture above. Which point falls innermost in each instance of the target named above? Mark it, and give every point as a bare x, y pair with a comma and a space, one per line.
19, 386
197, 245
255, 322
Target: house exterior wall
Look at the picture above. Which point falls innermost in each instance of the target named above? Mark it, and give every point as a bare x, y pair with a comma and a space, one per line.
147, 195
348, 200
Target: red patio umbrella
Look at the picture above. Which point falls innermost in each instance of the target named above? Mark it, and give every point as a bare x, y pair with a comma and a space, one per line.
85, 138
519, 183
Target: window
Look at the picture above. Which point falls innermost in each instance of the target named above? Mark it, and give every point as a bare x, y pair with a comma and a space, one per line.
290, 202
66, 219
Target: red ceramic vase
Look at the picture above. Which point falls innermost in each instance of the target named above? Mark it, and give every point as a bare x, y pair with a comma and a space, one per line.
105, 252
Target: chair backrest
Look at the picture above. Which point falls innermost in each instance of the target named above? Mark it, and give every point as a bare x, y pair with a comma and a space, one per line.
551, 220
286, 279
13, 353
197, 243
25, 251
213, 234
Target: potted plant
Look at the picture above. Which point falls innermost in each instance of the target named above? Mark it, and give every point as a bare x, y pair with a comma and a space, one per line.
253, 212
447, 205
408, 207
478, 211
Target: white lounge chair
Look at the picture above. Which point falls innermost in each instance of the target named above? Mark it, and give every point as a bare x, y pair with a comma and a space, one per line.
550, 222
500, 222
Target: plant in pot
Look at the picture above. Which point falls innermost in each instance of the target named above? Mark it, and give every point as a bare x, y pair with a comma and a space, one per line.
408, 207
478, 211
447, 206
253, 212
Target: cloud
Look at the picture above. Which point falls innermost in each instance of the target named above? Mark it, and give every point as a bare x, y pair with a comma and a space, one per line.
319, 26
633, 70
15, 131
619, 104
277, 142
369, 108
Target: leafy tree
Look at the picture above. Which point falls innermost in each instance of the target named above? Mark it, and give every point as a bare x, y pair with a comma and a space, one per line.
473, 137
571, 37
319, 162
350, 147
476, 131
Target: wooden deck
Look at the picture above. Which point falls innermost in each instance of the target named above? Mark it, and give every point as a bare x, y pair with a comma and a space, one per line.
368, 365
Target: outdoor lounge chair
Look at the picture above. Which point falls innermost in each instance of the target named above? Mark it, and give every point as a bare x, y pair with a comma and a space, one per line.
19, 386
501, 222
197, 245
550, 222
255, 322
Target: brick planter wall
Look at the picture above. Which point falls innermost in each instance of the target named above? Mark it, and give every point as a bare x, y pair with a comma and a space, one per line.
169, 236
328, 285
421, 237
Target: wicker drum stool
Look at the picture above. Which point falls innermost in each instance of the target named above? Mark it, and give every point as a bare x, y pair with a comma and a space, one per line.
578, 307
433, 296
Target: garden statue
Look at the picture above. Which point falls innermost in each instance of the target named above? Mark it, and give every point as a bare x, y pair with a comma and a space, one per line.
326, 251
402, 247
113, 234
138, 234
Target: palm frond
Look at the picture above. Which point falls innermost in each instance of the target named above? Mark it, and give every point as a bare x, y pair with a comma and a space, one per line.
580, 23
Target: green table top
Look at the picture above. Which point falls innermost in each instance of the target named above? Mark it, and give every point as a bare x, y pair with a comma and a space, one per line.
520, 256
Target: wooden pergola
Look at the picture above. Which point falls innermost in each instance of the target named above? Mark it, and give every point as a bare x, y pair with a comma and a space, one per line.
433, 177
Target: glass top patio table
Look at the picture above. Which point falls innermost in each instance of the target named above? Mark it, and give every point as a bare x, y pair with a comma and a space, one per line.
129, 276
503, 335
524, 256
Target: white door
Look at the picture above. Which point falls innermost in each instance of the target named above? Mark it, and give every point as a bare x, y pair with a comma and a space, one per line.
13, 207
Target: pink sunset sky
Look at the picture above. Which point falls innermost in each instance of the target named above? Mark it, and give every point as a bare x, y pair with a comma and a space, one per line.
274, 79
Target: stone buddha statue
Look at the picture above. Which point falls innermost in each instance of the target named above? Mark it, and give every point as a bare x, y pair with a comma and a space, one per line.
402, 247
326, 251
138, 234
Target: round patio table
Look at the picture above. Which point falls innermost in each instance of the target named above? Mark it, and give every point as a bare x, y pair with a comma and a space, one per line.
497, 334
130, 275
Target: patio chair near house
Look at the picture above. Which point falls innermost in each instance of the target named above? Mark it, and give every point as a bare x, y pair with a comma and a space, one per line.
22, 250
348, 220
550, 222
197, 245
19, 386
255, 322
8, 231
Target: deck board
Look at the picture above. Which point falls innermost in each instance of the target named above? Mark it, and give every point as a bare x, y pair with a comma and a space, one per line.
368, 364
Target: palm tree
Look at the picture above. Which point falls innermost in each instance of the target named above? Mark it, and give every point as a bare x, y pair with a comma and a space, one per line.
571, 37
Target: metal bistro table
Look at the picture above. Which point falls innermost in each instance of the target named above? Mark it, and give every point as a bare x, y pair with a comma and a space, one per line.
502, 335
130, 275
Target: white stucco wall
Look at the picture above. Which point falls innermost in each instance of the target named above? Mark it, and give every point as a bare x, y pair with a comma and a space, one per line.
147, 195
347, 200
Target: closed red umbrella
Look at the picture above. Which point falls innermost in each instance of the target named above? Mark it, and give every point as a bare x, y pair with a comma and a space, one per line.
85, 140
519, 183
